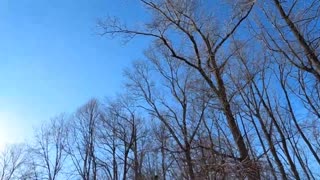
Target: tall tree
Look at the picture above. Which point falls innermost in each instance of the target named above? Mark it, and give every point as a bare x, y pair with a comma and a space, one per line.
81, 145
177, 22
48, 150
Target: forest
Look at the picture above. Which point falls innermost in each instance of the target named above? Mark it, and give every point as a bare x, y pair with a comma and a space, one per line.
227, 89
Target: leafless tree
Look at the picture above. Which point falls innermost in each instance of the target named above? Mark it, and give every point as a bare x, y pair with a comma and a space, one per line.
228, 90
121, 139
48, 149
14, 162
202, 47
180, 107
297, 32
81, 145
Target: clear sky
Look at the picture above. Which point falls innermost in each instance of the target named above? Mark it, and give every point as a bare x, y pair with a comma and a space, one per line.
52, 60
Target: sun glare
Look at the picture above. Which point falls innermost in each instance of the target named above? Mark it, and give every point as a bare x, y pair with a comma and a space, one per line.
8, 129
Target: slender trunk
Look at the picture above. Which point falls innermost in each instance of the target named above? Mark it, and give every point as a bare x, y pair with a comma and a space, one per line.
163, 160
268, 136
272, 148
297, 154
279, 164
291, 112
189, 162
282, 136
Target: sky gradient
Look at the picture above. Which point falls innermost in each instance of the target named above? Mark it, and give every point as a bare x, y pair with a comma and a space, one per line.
52, 60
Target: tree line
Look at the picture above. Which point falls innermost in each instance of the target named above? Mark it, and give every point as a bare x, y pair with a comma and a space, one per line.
227, 90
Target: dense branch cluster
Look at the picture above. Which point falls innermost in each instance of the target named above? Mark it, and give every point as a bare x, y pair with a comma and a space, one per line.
223, 93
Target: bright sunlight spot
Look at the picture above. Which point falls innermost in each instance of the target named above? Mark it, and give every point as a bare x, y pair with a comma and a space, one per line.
9, 129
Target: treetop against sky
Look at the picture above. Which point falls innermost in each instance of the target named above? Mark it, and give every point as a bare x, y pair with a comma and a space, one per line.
160, 89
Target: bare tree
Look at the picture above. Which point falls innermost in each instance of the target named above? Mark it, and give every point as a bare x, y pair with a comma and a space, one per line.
122, 137
48, 149
290, 31
300, 20
180, 107
81, 146
228, 90
202, 49
14, 162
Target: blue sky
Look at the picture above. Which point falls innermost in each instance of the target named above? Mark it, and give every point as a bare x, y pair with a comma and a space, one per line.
52, 60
